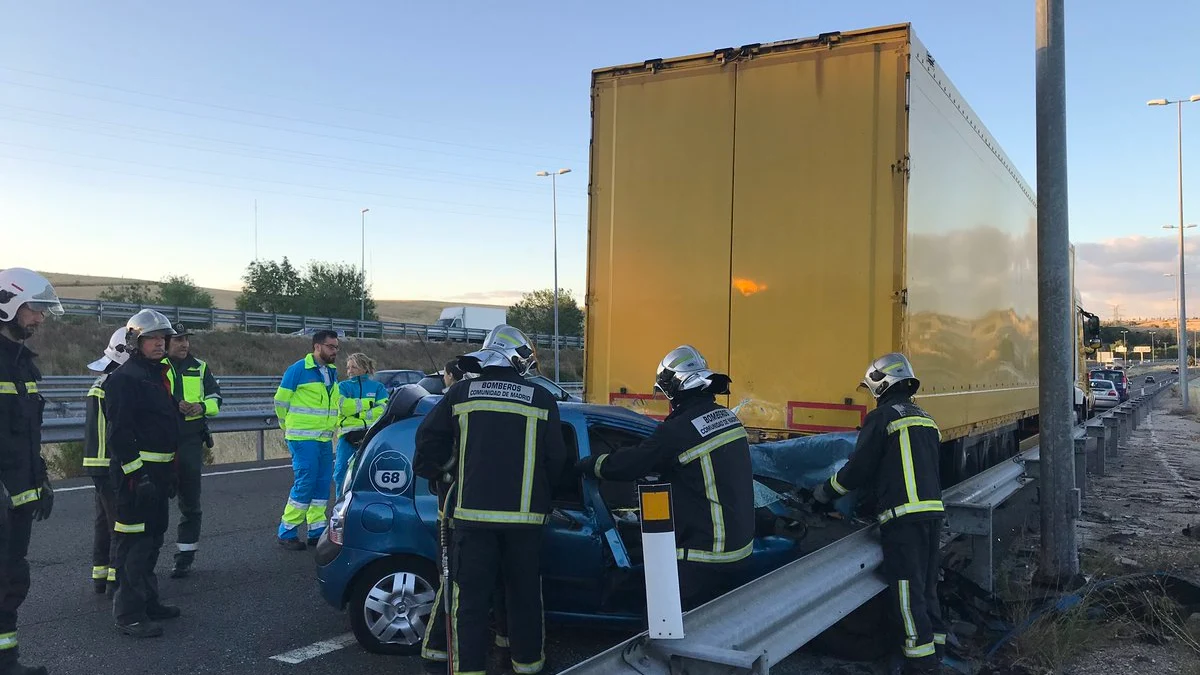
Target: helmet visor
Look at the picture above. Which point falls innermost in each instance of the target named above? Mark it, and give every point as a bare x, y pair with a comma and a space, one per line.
53, 307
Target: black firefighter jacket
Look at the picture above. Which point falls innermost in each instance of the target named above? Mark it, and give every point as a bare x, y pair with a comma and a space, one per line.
702, 450
143, 420
21, 466
895, 461
499, 437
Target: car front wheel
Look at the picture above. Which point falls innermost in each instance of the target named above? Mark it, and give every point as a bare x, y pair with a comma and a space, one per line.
390, 604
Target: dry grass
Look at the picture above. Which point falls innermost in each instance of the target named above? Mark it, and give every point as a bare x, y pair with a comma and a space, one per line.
65, 347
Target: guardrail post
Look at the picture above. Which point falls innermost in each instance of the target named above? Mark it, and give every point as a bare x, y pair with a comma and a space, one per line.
262, 445
1126, 420
1112, 435
1081, 464
1097, 436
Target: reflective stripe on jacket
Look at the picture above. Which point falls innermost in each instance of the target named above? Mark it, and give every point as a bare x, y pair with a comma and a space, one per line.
95, 431
21, 465
307, 408
896, 460
374, 397
197, 385
701, 448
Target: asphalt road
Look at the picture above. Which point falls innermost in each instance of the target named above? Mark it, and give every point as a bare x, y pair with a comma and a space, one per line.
246, 601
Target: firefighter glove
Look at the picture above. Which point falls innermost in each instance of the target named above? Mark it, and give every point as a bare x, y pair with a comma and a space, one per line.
45, 502
144, 490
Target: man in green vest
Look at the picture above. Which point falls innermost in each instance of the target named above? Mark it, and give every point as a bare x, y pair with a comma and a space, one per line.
199, 397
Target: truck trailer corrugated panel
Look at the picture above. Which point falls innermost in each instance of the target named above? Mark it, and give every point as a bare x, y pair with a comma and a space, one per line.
796, 209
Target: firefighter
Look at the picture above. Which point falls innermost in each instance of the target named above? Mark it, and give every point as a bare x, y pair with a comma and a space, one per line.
308, 404
143, 435
25, 493
497, 438
700, 448
352, 428
895, 462
198, 397
96, 465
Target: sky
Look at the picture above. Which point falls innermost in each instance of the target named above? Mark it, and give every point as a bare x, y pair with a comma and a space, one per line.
136, 138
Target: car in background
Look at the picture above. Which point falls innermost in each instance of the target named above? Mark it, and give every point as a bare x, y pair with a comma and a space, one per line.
1118, 378
397, 378
1150, 379
307, 332
1107, 395
377, 560
1175, 370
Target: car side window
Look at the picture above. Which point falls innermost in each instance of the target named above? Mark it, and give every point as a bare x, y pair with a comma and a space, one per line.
568, 492
603, 440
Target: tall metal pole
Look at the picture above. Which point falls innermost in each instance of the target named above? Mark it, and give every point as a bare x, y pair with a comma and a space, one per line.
1059, 560
362, 293
554, 219
1183, 362
256, 229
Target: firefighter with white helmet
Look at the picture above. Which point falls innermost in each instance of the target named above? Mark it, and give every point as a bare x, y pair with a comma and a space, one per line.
702, 449
143, 435
26, 297
497, 438
96, 464
896, 462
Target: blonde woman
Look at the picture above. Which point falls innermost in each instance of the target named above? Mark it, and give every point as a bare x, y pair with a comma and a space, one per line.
352, 428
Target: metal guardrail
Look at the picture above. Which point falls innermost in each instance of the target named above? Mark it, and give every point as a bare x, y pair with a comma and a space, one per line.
66, 395
291, 323
763, 622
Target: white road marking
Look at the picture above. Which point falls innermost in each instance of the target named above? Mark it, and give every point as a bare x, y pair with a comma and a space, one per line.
315, 649
211, 473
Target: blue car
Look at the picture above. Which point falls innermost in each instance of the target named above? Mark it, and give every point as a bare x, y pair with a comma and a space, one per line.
378, 557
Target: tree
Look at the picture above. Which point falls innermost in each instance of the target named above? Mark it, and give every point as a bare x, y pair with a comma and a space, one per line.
270, 287
324, 289
181, 291
335, 289
535, 313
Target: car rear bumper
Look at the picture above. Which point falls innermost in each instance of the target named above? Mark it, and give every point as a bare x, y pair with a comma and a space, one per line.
343, 564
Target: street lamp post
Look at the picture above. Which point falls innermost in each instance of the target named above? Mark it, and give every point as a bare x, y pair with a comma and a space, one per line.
362, 292
554, 225
1125, 344
1183, 364
1152, 346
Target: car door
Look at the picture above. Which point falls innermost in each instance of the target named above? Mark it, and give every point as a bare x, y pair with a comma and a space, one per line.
577, 553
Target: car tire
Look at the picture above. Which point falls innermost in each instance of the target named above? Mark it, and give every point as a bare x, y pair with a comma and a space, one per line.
378, 583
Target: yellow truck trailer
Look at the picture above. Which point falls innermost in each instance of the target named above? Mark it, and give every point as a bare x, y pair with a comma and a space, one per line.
796, 209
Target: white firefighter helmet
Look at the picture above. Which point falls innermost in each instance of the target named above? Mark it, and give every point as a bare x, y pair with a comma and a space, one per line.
684, 369
20, 286
116, 352
506, 347
146, 323
886, 372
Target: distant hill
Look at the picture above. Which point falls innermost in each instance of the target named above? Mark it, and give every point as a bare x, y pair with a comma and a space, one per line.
86, 287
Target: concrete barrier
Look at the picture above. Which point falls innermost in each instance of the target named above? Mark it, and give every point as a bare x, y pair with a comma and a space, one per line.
1097, 436
1112, 436
1081, 465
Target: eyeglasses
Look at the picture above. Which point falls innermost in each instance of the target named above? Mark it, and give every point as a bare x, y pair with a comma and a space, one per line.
333, 346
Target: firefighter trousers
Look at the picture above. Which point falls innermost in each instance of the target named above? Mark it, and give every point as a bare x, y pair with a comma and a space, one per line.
139, 529
104, 545
911, 560
477, 555
700, 582
189, 463
14, 577
433, 646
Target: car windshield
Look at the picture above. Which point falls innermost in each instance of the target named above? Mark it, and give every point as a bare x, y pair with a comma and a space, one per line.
1101, 384
1114, 376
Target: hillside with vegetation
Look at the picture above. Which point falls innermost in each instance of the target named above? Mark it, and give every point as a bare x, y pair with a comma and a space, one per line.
65, 347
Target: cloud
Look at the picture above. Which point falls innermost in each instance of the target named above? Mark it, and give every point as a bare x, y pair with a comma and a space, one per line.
1128, 273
